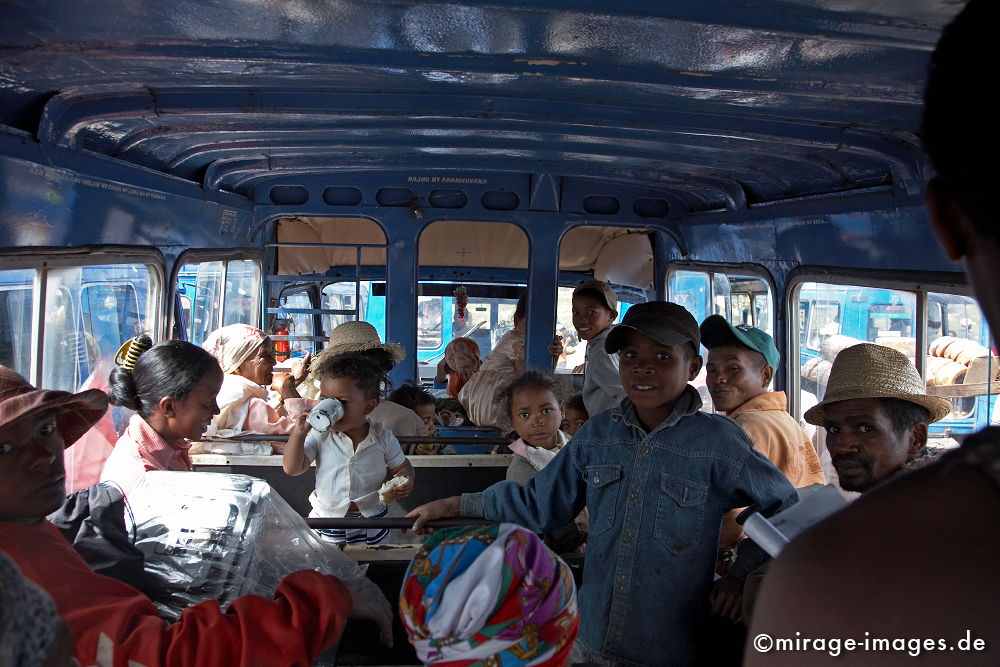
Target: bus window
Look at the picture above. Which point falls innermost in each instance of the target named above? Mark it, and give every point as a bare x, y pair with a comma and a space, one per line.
955, 316
299, 324
430, 321
110, 316
341, 296
16, 325
740, 299
834, 317
823, 322
89, 312
241, 300
200, 284
217, 293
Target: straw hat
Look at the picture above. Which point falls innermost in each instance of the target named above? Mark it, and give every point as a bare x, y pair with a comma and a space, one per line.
876, 371
358, 336
75, 413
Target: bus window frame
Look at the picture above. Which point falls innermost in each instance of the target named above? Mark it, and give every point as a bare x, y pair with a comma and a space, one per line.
729, 268
918, 282
41, 259
202, 255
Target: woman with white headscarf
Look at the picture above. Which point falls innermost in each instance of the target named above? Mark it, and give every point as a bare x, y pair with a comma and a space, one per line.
246, 355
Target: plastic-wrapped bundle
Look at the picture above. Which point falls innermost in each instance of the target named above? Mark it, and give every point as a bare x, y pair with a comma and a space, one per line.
212, 536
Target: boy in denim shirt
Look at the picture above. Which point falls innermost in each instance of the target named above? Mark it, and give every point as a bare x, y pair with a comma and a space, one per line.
656, 475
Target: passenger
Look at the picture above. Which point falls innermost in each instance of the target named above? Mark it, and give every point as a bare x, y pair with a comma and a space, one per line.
355, 456
875, 412
533, 405
246, 356
421, 402
595, 307
657, 475
574, 415
741, 362
922, 546
460, 362
502, 365
172, 387
32, 634
490, 595
361, 337
111, 622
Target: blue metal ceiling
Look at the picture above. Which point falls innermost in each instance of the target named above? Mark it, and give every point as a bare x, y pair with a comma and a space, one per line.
718, 104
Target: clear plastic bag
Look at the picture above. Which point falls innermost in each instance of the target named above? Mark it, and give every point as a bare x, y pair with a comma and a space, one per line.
212, 536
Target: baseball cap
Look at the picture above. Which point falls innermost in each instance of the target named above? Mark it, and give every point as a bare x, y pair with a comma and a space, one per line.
717, 331
665, 322
601, 289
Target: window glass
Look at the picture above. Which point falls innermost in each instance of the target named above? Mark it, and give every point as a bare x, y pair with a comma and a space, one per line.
299, 324
241, 302
199, 285
89, 312
430, 320
958, 353
16, 325
835, 317
341, 296
207, 304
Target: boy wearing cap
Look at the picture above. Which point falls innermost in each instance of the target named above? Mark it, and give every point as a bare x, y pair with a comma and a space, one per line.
595, 307
741, 363
656, 475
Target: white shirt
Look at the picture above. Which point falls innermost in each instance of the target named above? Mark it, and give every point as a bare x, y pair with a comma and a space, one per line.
344, 474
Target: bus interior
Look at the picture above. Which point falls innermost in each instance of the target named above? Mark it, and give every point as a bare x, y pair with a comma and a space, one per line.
175, 167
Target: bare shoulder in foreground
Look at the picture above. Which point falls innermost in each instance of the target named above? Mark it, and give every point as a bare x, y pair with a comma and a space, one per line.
856, 576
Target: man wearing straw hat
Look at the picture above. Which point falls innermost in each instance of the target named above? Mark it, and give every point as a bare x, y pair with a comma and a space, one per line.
916, 558
875, 412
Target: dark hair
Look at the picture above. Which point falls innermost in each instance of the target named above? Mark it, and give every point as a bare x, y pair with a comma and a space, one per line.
358, 366
904, 414
378, 355
527, 380
521, 309
409, 395
170, 368
575, 402
958, 112
692, 350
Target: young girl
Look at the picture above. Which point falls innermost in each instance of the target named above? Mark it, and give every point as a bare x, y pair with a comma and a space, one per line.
501, 366
355, 456
172, 387
532, 402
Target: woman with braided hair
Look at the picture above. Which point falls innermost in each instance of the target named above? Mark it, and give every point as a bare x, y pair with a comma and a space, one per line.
172, 386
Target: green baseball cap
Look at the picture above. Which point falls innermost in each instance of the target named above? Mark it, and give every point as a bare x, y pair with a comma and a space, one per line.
717, 331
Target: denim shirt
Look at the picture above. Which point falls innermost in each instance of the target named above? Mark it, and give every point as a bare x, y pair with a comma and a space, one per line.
656, 503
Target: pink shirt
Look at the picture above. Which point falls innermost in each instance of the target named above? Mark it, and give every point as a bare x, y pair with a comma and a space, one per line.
140, 449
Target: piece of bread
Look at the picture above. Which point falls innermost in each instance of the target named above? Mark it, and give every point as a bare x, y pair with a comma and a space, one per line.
385, 492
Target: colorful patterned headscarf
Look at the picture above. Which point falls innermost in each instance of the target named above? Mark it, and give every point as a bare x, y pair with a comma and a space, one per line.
489, 595
233, 344
462, 357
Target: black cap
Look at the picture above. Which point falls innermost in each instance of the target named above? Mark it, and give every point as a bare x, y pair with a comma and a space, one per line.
666, 323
